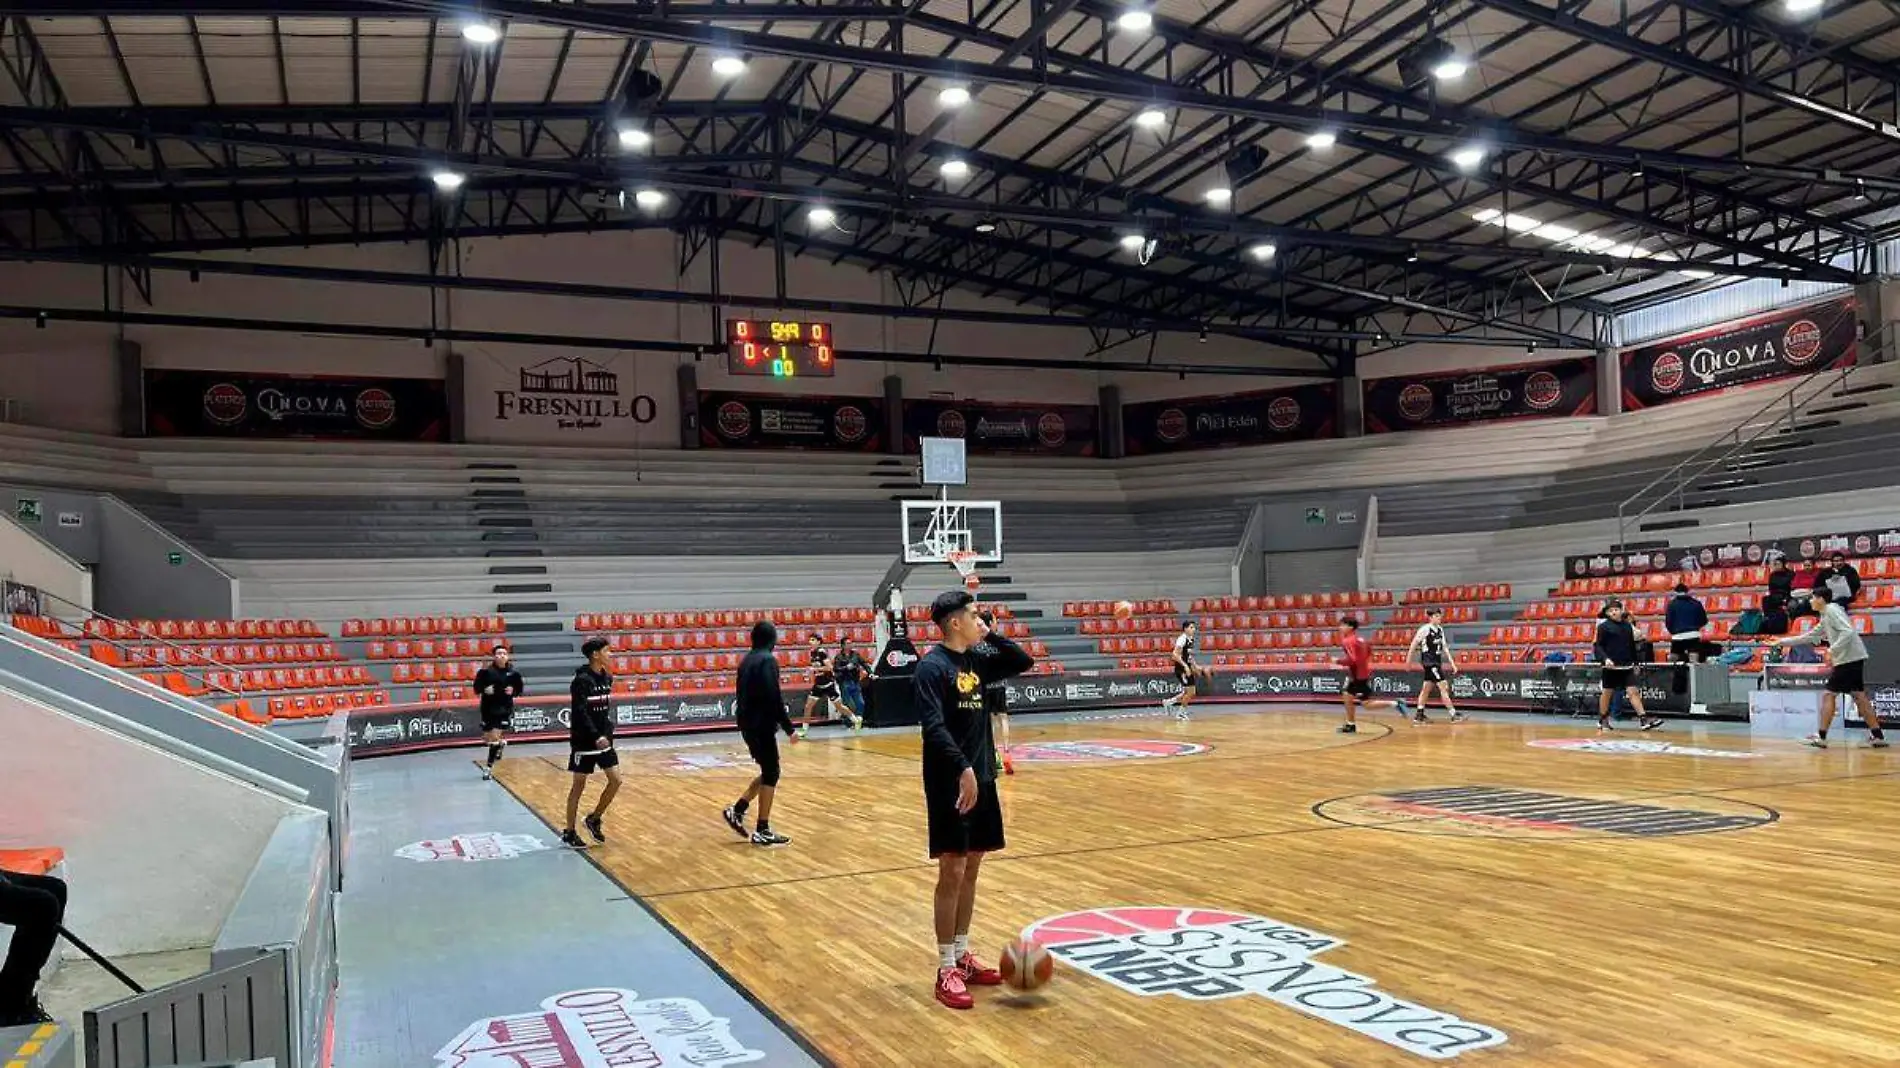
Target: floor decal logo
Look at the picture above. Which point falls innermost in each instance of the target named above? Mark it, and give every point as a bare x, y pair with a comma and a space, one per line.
599, 1029
701, 762
1208, 955
1505, 812
484, 845
1104, 749
1606, 745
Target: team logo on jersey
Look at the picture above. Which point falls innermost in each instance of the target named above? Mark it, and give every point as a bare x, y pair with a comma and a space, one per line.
1078, 751
598, 1028
1542, 390
1505, 812
1415, 401
1606, 745
1211, 955
850, 422
1801, 342
1283, 414
968, 683
1668, 372
483, 845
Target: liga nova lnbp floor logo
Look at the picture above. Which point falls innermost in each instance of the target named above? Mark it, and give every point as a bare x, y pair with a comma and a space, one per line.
1211, 954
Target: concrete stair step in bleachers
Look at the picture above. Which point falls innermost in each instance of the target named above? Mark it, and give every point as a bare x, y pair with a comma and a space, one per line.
39, 1046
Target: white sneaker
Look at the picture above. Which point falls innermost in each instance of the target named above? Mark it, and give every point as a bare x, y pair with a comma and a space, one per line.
1877, 743
1815, 740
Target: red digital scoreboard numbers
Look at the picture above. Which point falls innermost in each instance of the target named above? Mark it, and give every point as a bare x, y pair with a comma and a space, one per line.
779, 349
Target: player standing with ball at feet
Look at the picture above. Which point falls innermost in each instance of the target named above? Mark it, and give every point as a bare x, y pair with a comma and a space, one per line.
965, 815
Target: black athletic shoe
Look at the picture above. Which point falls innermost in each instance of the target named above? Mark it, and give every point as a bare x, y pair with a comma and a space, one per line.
592, 823
1421, 717
1652, 723
572, 840
767, 837
735, 820
1348, 728
26, 1014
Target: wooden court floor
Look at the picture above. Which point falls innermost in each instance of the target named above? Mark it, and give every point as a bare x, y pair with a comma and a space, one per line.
1277, 894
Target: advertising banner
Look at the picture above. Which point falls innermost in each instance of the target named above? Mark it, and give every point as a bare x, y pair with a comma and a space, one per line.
1886, 698
608, 398
250, 404
1467, 398
1805, 548
777, 421
1297, 413
985, 426
1779, 345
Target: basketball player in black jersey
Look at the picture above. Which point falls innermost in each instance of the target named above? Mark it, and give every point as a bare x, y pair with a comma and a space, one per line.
1186, 671
1431, 651
824, 686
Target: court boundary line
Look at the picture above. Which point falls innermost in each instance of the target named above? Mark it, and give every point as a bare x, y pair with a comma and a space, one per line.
798, 1037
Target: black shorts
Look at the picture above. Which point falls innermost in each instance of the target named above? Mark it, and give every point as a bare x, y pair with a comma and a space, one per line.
763, 745
1847, 678
582, 762
1360, 688
1184, 674
1434, 670
497, 719
1615, 679
827, 691
952, 832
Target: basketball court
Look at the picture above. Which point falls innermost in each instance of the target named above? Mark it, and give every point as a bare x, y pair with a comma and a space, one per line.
1251, 888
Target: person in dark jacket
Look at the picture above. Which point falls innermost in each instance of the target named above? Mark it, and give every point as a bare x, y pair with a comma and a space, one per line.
996, 699
1839, 580
34, 906
497, 685
591, 739
1615, 649
964, 813
1685, 619
850, 669
1774, 603
761, 713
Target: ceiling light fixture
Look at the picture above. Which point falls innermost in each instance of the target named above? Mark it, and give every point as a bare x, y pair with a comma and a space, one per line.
954, 169
953, 96
650, 199
448, 181
633, 137
1411, 255
1263, 251
1219, 196
1133, 242
986, 226
1803, 7
1432, 59
1321, 140
1150, 118
480, 33
821, 216
728, 66
1695, 272
1468, 158
1136, 20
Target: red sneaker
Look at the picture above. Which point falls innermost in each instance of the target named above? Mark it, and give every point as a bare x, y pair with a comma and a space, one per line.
950, 989
975, 971
1009, 766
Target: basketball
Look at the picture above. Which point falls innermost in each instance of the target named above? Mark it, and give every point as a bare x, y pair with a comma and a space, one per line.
1124, 609
1026, 965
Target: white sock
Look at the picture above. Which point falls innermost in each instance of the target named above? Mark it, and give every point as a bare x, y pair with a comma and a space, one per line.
959, 947
947, 956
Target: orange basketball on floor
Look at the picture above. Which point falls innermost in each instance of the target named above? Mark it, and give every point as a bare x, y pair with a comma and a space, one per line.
1124, 609
1026, 965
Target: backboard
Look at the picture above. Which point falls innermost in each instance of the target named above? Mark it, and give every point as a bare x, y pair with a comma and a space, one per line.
945, 463
933, 529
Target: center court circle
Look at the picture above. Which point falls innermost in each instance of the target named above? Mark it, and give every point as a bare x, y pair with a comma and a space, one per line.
1512, 812
1091, 749
1642, 748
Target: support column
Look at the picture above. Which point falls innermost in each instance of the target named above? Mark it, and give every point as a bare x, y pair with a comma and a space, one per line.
1880, 321
688, 400
1352, 407
1609, 382
455, 385
129, 363
893, 415
1111, 442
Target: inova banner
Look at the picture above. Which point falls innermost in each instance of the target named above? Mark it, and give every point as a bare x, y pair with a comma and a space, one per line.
1466, 398
1046, 429
1259, 418
1779, 345
250, 404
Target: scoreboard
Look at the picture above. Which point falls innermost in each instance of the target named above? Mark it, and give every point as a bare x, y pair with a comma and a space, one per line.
779, 348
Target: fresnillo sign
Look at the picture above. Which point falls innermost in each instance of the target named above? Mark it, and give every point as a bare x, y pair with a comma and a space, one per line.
576, 393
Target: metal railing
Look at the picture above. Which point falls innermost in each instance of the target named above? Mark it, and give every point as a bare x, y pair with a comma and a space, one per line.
237, 1013
1786, 407
189, 659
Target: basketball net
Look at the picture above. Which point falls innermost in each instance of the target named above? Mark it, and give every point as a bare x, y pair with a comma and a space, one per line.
965, 563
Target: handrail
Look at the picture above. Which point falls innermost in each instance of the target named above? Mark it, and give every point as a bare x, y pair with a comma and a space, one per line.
189, 659
1249, 536
1623, 519
1369, 542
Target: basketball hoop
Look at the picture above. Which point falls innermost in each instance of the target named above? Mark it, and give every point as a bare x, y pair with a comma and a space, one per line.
965, 563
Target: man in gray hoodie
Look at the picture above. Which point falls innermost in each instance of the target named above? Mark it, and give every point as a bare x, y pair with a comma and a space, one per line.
1847, 667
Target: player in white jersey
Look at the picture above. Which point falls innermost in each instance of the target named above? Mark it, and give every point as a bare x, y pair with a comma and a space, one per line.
1431, 652
1186, 671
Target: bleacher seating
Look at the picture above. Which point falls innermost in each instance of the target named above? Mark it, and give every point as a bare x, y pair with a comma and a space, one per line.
407, 626
1469, 593
173, 630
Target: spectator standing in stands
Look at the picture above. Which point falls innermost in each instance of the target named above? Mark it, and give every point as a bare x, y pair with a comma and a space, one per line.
497, 684
1774, 603
849, 669
34, 906
1431, 652
1839, 579
591, 739
761, 714
1847, 670
1357, 692
1685, 619
1615, 649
